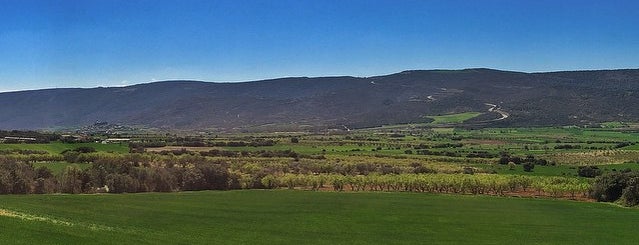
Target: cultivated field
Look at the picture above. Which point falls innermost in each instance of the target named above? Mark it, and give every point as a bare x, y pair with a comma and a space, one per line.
304, 217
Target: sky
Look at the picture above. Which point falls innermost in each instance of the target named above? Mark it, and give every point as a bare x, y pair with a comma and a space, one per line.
89, 43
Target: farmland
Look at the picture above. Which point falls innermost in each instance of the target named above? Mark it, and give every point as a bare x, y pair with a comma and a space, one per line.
262, 160
454, 118
294, 217
394, 184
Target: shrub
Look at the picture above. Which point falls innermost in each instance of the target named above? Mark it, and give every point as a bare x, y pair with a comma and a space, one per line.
270, 181
630, 194
528, 166
609, 187
588, 171
85, 149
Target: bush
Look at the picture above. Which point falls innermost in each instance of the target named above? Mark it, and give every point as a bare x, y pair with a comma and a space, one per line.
630, 194
588, 171
85, 149
609, 187
270, 181
528, 166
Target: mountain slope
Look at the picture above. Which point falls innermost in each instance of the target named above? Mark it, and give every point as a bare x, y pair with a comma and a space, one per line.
554, 98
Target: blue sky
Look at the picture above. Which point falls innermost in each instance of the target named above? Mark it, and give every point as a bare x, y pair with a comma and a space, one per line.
85, 43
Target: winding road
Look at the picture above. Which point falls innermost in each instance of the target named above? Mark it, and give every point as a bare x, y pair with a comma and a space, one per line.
496, 108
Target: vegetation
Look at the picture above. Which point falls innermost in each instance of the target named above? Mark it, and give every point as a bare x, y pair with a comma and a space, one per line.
454, 118
505, 161
438, 183
332, 103
617, 187
294, 217
432, 179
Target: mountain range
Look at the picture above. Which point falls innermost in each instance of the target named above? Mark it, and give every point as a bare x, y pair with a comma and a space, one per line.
505, 98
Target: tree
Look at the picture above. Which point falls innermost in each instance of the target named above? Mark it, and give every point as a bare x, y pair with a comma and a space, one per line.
164, 181
120, 183
193, 179
214, 176
71, 181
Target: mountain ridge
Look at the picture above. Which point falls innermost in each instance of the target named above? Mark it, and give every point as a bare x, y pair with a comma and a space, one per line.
532, 99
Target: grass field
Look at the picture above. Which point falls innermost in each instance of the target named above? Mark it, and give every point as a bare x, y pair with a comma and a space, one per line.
304, 217
454, 118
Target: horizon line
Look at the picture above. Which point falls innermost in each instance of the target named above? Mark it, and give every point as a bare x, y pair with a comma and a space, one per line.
302, 76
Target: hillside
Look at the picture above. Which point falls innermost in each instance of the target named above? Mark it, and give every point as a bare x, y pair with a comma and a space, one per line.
529, 99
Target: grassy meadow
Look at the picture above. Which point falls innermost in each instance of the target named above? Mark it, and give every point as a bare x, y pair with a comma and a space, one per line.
454, 118
306, 217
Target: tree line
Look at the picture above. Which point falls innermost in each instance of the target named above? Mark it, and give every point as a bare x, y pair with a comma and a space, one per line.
437, 183
117, 177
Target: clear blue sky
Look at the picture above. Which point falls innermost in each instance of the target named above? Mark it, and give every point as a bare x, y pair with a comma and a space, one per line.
87, 43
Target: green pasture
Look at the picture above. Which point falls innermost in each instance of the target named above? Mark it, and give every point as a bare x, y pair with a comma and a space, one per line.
454, 118
305, 217
613, 124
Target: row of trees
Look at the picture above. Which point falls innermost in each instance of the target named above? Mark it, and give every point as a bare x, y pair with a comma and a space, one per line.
436, 183
144, 173
117, 177
268, 161
198, 142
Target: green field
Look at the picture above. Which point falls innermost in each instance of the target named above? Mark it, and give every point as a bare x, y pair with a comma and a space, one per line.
454, 118
305, 217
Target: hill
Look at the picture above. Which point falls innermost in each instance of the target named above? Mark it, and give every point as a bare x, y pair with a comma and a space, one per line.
505, 98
